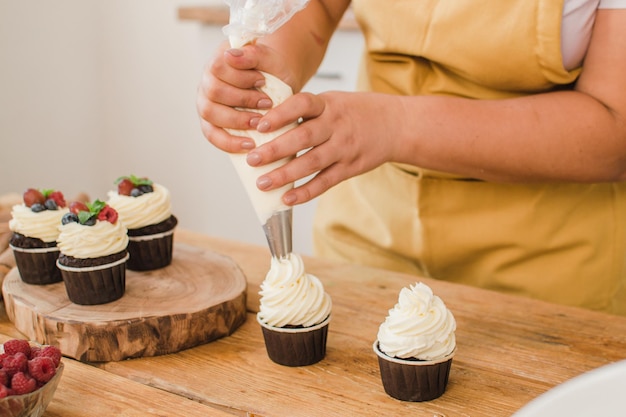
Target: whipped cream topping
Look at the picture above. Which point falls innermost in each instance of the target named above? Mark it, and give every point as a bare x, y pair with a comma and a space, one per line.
43, 225
102, 239
265, 203
419, 326
145, 210
290, 296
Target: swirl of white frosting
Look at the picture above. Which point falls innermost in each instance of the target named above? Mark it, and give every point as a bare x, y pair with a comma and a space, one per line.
419, 326
145, 210
290, 296
102, 239
43, 225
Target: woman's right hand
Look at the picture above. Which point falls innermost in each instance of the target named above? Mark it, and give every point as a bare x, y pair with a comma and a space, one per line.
229, 84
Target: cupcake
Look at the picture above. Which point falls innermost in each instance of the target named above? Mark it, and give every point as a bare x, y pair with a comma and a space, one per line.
294, 313
93, 244
415, 346
146, 211
34, 224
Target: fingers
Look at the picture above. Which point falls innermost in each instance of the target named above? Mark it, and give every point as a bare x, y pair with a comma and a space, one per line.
313, 188
321, 165
221, 139
236, 88
223, 91
303, 106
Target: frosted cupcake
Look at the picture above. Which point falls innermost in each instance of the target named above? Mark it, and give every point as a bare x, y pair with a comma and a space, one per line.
415, 346
145, 209
93, 257
294, 313
34, 225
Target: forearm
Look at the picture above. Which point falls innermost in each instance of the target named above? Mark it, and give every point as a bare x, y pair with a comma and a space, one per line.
560, 136
577, 135
303, 39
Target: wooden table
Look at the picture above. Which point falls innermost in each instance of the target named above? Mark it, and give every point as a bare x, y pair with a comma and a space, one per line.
510, 350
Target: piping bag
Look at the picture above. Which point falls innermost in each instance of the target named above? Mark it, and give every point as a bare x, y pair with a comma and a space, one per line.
250, 20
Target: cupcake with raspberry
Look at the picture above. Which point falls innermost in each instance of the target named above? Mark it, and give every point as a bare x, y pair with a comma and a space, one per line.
294, 313
415, 345
145, 208
93, 244
34, 224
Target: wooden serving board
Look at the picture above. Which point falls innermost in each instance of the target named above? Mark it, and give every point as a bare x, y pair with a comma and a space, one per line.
199, 297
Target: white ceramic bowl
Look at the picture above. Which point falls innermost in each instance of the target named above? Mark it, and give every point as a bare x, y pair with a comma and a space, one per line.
600, 392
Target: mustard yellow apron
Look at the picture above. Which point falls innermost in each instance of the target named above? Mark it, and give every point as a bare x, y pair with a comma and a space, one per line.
564, 243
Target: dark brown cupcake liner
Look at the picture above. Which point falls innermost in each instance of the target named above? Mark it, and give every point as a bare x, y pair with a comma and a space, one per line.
295, 346
151, 251
95, 285
413, 380
37, 266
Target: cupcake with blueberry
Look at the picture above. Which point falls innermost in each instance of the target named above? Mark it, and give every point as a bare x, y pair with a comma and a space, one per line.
93, 244
145, 208
34, 224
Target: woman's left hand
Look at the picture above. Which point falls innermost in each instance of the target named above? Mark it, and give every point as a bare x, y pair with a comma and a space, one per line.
341, 134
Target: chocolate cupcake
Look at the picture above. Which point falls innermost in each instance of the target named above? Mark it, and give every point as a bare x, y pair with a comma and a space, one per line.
295, 345
93, 244
145, 209
35, 230
415, 346
294, 313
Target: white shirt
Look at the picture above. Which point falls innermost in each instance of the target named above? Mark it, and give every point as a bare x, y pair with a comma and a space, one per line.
578, 18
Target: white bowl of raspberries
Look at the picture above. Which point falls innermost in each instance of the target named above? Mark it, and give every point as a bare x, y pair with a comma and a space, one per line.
29, 375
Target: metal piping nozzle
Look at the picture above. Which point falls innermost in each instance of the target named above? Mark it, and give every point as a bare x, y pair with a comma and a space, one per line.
278, 233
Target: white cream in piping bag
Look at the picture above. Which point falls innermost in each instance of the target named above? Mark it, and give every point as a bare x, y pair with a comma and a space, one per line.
250, 20
265, 203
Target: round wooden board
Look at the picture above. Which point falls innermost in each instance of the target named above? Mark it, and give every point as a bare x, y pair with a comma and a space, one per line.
199, 297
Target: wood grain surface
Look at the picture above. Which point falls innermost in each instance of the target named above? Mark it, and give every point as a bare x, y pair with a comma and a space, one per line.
510, 349
200, 297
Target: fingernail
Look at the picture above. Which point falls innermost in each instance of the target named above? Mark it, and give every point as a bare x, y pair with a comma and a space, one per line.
289, 198
254, 122
264, 103
247, 144
263, 182
235, 52
253, 159
260, 83
264, 126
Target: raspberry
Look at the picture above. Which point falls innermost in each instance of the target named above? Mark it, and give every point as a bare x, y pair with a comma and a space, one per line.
52, 352
42, 369
5, 391
15, 363
22, 383
58, 198
125, 186
33, 196
17, 345
34, 352
4, 378
109, 214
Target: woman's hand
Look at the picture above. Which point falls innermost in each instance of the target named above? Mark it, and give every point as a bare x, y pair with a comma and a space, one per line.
229, 83
341, 135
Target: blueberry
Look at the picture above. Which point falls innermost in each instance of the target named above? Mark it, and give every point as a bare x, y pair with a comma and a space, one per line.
136, 192
90, 221
51, 204
69, 218
146, 188
37, 207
